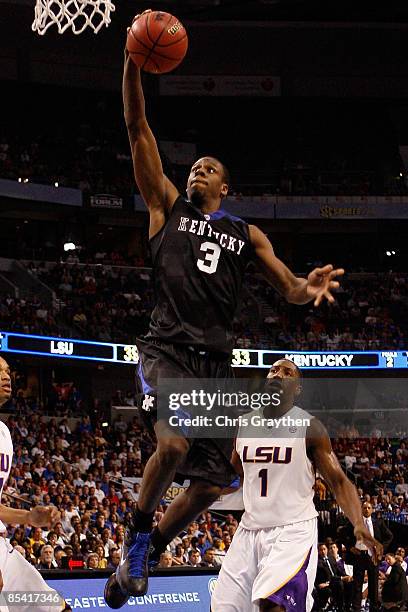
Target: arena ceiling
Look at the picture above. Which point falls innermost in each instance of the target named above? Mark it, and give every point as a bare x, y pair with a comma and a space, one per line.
393, 11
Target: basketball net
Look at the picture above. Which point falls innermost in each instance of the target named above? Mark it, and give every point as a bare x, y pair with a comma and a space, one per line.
75, 14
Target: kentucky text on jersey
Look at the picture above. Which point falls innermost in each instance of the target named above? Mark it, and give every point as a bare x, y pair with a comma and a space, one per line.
268, 454
203, 228
199, 261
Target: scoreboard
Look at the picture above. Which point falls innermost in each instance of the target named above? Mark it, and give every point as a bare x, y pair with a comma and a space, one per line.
319, 360
45, 346
127, 354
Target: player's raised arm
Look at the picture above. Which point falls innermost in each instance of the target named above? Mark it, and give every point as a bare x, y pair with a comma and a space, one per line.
157, 190
317, 286
320, 450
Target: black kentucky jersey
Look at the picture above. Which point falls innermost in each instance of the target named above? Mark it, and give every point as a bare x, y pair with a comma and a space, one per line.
199, 262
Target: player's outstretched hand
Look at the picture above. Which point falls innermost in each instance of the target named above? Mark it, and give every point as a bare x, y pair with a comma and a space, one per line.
44, 516
140, 14
320, 283
363, 536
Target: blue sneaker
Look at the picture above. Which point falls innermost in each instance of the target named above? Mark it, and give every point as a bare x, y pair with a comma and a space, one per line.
132, 573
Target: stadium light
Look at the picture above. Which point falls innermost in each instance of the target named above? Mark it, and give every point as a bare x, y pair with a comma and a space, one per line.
69, 246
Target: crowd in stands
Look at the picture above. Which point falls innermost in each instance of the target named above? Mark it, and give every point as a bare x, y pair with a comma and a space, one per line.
379, 467
100, 163
92, 474
93, 154
97, 302
368, 314
110, 303
89, 162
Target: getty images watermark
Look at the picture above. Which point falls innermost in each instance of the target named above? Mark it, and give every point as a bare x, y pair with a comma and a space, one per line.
220, 408
209, 400
216, 408
242, 421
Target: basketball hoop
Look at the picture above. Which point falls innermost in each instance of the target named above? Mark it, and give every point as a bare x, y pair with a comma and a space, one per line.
75, 14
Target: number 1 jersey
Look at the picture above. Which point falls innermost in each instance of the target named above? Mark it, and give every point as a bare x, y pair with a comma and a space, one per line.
199, 262
278, 474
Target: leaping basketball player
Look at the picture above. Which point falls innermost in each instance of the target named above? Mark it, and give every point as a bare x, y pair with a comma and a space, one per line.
19, 576
271, 563
199, 254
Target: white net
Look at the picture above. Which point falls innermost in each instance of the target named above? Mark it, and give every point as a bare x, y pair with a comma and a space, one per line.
75, 14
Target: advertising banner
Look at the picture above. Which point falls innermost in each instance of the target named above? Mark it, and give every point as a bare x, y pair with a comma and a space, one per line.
232, 501
170, 594
105, 200
207, 85
350, 208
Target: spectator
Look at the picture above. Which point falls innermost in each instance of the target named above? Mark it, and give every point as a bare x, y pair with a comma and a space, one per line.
219, 551
328, 581
92, 561
47, 560
114, 559
59, 553
194, 558
395, 589
166, 559
178, 556
103, 561
209, 559
36, 538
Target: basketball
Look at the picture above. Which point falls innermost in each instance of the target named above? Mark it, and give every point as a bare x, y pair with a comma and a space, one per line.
157, 42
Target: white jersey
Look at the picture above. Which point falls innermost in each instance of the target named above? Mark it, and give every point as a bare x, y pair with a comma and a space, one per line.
6, 458
278, 475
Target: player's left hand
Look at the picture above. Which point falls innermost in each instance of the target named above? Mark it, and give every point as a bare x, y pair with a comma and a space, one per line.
44, 516
320, 283
363, 536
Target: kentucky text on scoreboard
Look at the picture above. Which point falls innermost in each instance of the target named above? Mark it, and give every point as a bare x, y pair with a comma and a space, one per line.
127, 354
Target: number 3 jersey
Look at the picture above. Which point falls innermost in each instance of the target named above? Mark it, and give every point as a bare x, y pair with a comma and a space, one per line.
199, 262
278, 475
6, 458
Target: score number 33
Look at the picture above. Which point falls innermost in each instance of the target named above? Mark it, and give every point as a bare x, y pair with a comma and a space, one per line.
212, 254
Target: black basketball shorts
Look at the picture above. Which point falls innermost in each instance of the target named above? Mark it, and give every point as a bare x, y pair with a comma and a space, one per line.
207, 459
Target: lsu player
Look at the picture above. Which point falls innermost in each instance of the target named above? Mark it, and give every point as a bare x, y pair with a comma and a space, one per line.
20, 578
271, 563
